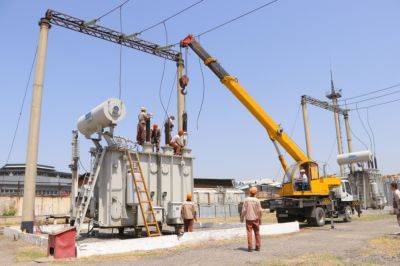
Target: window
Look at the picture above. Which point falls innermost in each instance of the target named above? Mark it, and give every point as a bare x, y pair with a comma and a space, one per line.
348, 188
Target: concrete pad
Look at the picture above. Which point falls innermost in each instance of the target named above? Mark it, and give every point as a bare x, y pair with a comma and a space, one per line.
162, 242
16, 233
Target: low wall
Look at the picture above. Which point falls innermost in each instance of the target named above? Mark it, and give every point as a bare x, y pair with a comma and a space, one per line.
153, 243
217, 210
43, 205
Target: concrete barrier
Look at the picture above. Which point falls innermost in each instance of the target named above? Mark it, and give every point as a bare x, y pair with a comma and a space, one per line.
162, 242
16, 233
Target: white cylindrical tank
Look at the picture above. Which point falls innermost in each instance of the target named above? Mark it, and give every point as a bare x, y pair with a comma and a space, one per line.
354, 157
104, 115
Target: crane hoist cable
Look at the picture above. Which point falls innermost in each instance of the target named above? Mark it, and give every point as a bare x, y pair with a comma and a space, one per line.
120, 56
203, 94
22, 107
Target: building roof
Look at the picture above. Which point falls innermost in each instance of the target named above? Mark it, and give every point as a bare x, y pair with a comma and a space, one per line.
18, 169
213, 182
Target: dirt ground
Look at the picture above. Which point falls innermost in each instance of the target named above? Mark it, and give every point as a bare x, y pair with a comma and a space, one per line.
369, 240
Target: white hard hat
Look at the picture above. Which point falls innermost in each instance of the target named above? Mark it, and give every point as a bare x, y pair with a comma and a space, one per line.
142, 108
302, 171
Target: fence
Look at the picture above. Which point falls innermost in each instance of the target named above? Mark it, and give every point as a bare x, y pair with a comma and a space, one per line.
218, 210
43, 205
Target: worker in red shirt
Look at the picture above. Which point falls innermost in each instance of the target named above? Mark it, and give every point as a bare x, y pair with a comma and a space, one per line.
252, 213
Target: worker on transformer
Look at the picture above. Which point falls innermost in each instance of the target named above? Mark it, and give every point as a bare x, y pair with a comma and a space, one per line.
188, 213
155, 137
252, 213
178, 142
143, 119
168, 127
304, 179
396, 200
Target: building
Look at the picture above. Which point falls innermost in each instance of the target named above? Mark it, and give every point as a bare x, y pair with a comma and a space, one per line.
216, 191
49, 182
267, 188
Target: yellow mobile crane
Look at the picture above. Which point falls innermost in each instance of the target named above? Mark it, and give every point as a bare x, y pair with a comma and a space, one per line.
313, 203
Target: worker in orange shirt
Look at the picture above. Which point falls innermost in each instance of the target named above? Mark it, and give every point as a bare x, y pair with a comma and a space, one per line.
188, 213
252, 213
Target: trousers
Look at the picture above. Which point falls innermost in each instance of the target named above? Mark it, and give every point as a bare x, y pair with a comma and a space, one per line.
250, 227
188, 225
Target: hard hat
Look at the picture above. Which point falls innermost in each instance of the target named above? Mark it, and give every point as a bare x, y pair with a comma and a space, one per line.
155, 126
180, 132
189, 196
253, 190
142, 109
302, 171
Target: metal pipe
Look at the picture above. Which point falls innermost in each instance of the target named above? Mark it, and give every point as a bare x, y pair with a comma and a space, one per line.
28, 207
180, 95
348, 135
338, 134
306, 126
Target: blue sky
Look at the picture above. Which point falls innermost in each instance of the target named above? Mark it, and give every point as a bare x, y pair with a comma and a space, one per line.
278, 54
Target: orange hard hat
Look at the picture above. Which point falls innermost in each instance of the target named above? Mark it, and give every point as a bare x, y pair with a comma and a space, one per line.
155, 126
253, 190
189, 196
180, 132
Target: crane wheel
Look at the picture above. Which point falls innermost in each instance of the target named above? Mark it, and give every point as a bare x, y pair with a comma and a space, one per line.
319, 219
347, 214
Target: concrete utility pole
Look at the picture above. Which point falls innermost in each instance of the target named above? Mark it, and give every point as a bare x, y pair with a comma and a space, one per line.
74, 170
28, 207
334, 95
180, 95
306, 125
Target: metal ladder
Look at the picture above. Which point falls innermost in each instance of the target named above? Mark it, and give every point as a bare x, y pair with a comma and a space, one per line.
146, 200
85, 194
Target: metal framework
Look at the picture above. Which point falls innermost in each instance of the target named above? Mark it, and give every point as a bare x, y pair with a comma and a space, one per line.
324, 105
90, 28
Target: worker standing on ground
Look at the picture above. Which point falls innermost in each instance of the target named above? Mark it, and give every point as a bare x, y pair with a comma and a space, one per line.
188, 213
178, 142
252, 213
168, 127
155, 137
143, 118
396, 200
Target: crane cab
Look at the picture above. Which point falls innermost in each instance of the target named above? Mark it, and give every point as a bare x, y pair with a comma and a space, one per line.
303, 179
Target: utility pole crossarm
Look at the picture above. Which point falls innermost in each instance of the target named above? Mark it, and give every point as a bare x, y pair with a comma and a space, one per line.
90, 28
324, 105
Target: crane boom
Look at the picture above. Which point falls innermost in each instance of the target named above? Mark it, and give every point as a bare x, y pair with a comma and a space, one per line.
274, 130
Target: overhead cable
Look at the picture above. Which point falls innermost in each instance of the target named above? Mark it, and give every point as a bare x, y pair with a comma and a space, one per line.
111, 10
238, 17
168, 18
364, 127
231, 20
374, 105
372, 132
371, 92
22, 107
372, 98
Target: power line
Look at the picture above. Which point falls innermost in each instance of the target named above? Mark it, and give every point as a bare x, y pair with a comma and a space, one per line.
168, 18
238, 17
231, 20
372, 92
372, 132
110, 11
372, 98
120, 56
374, 105
21, 108
364, 127
163, 73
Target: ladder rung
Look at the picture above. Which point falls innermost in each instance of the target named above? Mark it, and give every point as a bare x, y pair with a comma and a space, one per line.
152, 235
151, 224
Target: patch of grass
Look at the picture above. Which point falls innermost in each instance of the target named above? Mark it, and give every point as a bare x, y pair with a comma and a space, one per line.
317, 259
372, 217
28, 254
384, 246
266, 219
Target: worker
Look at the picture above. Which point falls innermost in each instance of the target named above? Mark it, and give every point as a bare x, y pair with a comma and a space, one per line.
178, 142
188, 213
252, 213
143, 119
304, 179
396, 200
168, 127
155, 138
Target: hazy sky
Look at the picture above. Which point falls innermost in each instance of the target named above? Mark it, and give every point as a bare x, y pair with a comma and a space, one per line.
278, 54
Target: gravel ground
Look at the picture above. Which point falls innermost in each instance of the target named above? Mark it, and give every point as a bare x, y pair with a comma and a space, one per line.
369, 241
